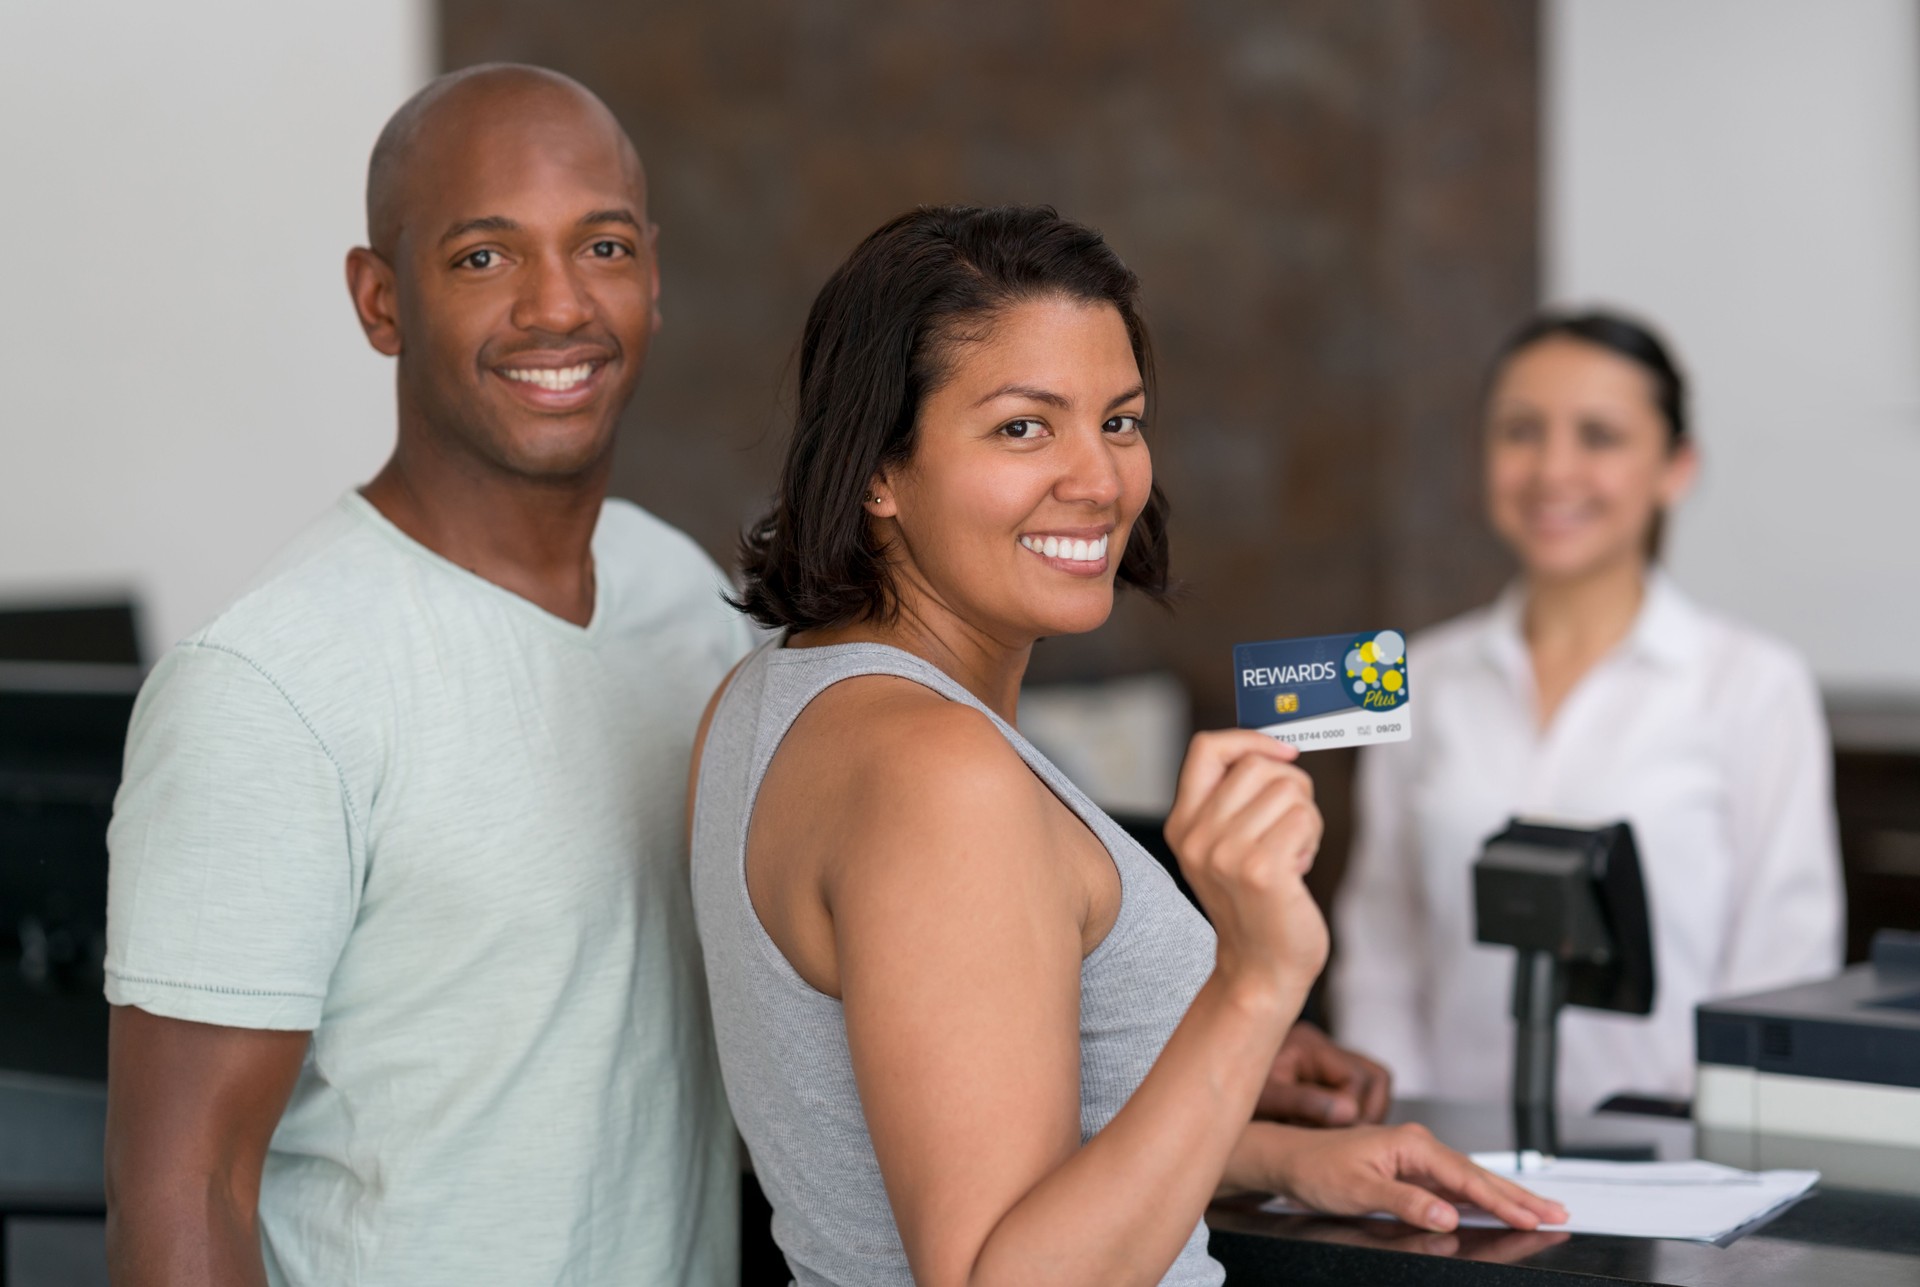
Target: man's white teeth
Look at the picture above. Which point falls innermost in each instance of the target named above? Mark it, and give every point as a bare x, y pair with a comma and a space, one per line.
556, 378
1078, 551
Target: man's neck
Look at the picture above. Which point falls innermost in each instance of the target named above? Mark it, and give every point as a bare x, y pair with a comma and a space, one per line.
533, 538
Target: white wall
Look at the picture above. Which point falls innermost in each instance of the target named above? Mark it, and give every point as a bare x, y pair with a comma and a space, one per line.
1747, 174
182, 384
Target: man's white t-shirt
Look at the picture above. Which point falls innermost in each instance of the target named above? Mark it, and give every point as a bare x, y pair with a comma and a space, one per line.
384, 800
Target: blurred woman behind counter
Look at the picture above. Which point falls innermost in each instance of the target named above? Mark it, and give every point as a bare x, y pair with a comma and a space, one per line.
1594, 689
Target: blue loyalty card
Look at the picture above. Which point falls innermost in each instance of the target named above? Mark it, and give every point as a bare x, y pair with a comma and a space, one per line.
1333, 690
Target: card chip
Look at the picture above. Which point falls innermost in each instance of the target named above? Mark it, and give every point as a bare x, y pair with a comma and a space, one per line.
1286, 703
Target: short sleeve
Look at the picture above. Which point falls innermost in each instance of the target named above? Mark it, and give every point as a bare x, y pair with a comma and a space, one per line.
231, 879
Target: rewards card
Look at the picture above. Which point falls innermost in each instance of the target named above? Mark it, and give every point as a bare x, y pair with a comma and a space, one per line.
1333, 690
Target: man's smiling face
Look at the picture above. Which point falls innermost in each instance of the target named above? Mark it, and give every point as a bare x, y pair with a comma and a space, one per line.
526, 287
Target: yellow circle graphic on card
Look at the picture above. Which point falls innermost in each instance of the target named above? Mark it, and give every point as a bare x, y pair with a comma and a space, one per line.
1376, 668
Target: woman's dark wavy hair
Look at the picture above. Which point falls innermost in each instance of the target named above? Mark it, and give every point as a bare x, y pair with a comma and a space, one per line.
879, 339
1621, 336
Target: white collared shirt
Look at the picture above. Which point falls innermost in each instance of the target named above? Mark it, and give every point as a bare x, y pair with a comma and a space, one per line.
1707, 736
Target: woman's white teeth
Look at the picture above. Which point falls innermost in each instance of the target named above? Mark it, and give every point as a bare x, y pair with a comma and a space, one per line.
1055, 547
556, 378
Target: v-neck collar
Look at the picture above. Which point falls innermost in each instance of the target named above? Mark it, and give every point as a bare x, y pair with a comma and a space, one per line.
1665, 633
366, 510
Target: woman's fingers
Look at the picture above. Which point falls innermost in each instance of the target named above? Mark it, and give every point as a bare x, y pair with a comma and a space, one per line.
1297, 835
1249, 790
1413, 1205
1242, 803
1521, 1208
1376, 1094
1360, 1089
1404, 1172
1283, 799
1461, 1180
1244, 782
1306, 1104
1209, 758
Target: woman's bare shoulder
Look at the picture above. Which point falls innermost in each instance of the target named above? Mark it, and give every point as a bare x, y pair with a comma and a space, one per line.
899, 760
903, 732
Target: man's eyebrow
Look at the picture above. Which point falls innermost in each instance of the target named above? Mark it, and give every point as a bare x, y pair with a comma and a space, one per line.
620, 215
485, 223
500, 223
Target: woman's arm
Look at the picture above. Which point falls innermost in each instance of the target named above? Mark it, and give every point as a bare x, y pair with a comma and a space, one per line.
957, 933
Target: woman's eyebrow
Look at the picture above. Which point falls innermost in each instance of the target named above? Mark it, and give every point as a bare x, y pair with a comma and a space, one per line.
1028, 392
1052, 399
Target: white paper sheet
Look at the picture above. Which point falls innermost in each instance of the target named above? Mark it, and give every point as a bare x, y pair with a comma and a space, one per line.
1695, 1201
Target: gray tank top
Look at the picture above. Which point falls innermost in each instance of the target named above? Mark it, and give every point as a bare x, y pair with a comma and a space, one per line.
783, 1045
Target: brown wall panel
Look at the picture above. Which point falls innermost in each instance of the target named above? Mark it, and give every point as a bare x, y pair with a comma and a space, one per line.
1331, 204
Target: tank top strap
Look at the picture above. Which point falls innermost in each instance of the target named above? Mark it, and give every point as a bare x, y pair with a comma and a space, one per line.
795, 676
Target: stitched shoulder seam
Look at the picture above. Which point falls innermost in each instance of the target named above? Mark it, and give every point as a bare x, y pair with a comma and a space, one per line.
346, 789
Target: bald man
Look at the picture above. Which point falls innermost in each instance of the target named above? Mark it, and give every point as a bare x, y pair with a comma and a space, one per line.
399, 941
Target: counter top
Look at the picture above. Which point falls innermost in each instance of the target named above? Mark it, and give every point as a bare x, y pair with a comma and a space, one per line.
1853, 1230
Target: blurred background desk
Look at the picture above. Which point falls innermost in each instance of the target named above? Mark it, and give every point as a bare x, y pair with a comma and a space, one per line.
68, 675
52, 1133
1876, 787
1855, 1230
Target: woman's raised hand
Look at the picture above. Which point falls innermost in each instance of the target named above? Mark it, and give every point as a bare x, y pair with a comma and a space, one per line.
1245, 829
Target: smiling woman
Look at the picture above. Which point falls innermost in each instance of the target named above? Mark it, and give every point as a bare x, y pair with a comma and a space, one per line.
1594, 687
1026, 1056
815, 562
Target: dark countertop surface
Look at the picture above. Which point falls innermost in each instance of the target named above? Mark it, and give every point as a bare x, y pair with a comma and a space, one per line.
1856, 1229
